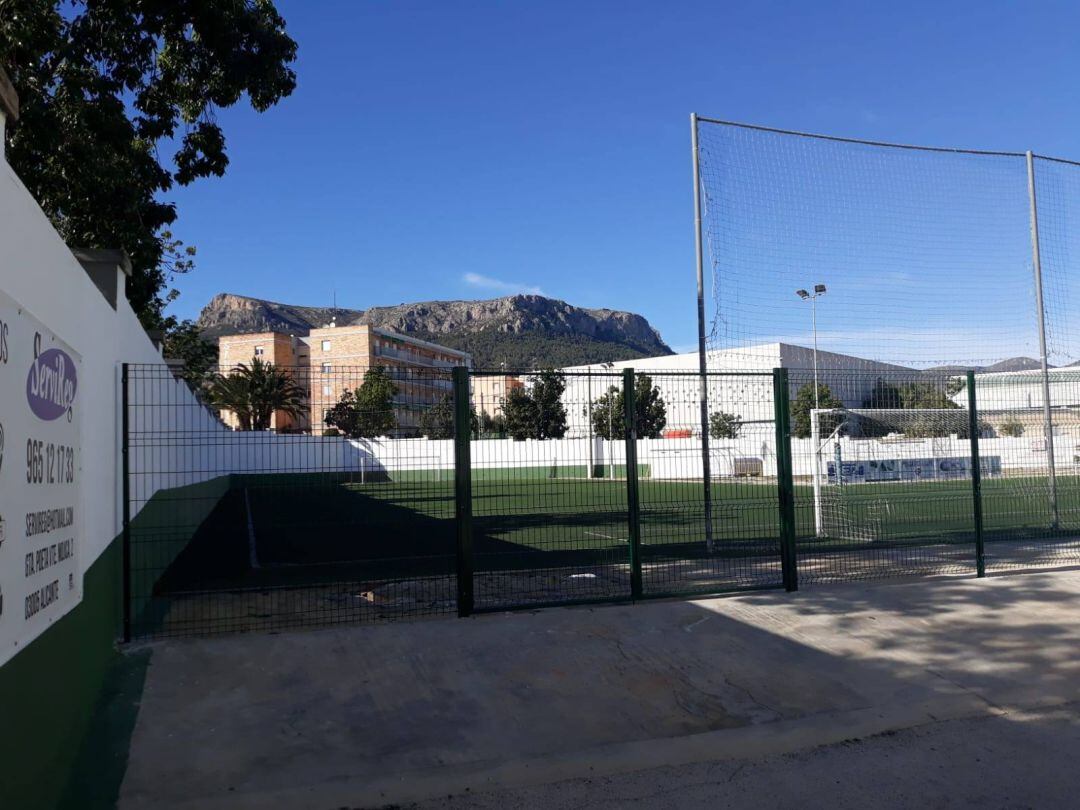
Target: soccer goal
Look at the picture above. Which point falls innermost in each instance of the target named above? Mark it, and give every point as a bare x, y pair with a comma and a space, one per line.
880, 472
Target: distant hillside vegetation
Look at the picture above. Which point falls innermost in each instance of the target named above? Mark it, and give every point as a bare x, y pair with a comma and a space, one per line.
520, 331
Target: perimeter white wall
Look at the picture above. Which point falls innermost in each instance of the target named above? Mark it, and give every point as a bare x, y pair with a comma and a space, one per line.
38, 270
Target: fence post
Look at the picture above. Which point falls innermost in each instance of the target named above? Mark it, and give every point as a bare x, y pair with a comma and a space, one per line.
633, 511
784, 479
463, 490
976, 477
125, 495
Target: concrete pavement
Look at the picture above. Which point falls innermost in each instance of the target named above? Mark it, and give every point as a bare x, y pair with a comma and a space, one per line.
369, 716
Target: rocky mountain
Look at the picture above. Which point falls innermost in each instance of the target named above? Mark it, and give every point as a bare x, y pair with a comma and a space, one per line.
522, 331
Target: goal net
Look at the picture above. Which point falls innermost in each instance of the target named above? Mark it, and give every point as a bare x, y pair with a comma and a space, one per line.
883, 473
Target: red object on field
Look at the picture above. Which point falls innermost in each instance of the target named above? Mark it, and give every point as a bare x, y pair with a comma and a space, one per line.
677, 434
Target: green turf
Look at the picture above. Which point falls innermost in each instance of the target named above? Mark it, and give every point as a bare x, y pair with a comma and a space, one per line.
310, 528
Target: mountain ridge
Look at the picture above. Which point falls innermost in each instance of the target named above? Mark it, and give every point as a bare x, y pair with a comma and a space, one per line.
1009, 364
520, 331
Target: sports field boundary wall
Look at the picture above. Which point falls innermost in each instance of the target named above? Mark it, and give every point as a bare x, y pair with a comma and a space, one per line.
50, 683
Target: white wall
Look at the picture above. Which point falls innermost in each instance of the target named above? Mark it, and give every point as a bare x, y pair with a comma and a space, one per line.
38, 270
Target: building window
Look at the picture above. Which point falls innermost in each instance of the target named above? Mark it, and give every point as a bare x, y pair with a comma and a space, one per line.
325, 368
326, 345
258, 351
327, 390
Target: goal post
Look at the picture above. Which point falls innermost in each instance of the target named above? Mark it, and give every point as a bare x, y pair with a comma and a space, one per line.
864, 462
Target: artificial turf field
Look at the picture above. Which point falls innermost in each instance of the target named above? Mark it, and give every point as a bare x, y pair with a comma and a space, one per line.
309, 529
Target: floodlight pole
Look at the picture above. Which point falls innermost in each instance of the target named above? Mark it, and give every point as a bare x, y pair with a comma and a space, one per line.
702, 362
1036, 262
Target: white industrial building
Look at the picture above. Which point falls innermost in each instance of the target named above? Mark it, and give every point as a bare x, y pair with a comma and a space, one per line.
740, 382
1010, 390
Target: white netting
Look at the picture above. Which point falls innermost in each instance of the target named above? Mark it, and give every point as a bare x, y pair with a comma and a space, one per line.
926, 254
874, 469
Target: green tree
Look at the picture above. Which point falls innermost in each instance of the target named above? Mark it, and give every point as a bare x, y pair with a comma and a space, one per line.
883, 395
607, 414
925, 395
546, 391
804, 403
438, 421
368, 411
537, 412
725, 425
1012, 427
519, 410
650, 412
106, 87
182, 342
254, 393
911, 395
492, 426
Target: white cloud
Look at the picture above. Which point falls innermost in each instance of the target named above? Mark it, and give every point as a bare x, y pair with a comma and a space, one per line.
488, 283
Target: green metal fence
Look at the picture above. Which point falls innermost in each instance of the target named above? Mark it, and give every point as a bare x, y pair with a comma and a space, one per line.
500, 491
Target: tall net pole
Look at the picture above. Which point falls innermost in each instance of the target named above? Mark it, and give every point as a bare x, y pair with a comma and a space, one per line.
706, 471
1036, 261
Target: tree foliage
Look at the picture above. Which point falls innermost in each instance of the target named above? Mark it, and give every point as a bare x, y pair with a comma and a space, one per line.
803, 404
440, 421
254, 393
437, 422
650, 412
106, 86
537, 412
492, 348
909, 395
368, 411
724, 425
182, 342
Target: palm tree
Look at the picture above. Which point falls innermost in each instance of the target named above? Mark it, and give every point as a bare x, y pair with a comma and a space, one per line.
253, 393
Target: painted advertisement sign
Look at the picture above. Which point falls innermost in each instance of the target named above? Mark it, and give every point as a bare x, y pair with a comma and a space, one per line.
909, 469
40, 507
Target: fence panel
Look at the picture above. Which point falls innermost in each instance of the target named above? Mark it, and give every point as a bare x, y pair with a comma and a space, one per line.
549, 497
1032, 511
281, 523
883, 477
740, 548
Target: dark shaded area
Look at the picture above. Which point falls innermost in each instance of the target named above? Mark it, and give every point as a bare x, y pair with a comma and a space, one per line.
102, 760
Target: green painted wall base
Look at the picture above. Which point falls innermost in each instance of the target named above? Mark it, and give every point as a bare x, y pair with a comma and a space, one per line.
49, 692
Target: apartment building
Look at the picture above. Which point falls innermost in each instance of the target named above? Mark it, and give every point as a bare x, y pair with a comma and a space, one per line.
334, 359
489, 392
287, 352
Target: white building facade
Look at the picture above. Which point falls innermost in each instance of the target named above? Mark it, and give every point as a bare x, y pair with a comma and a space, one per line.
739, 383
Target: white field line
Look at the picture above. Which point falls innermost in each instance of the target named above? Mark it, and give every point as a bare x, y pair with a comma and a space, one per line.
607, 536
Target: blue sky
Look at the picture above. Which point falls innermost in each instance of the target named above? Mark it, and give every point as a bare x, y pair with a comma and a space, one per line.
467, 150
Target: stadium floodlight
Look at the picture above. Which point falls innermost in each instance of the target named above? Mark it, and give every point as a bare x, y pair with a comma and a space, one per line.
819, 290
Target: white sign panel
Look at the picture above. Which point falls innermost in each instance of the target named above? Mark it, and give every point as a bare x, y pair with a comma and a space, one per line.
39, 477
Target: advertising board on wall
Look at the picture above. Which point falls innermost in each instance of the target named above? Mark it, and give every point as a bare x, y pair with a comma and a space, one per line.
909, 469
40, 508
